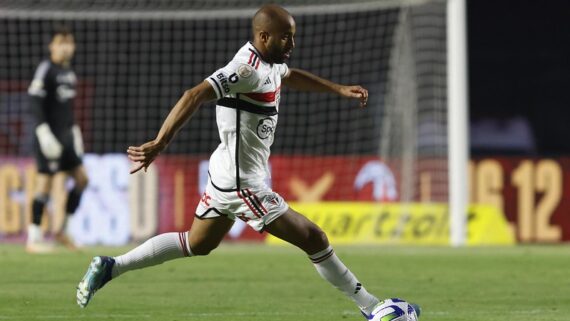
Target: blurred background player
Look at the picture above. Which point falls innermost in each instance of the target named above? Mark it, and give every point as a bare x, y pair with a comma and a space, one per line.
248, 93
57, 141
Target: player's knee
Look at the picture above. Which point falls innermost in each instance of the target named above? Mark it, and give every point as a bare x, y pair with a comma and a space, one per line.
202, 248
321, 237
43, 187
42, 198
82, 183
317, 238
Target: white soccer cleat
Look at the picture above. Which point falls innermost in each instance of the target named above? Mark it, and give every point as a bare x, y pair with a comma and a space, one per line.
39, 248
36, 243
97, 275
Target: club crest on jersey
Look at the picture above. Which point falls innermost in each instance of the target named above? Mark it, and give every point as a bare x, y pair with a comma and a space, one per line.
273, 199
245, 71
265, 128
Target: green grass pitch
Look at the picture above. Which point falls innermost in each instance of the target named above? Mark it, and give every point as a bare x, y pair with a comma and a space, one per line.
259, 282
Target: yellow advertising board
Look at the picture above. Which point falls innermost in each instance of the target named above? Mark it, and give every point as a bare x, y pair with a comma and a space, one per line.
406, 224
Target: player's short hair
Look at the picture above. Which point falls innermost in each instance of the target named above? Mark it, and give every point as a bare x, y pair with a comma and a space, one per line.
60, 29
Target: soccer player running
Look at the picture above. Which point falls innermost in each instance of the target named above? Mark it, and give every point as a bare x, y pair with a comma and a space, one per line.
247, 90
57, 141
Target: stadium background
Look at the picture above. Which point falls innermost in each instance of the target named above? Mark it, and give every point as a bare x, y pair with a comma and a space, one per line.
132, 70
387, 164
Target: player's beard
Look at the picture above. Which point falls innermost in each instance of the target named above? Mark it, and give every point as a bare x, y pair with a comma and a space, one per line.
277, 54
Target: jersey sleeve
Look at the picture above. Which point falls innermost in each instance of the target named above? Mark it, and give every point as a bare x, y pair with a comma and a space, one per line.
39, 83
235, 77
283, 70
38, 91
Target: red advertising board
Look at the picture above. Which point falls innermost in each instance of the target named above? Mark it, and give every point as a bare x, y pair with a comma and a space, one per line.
529, 191
296, 178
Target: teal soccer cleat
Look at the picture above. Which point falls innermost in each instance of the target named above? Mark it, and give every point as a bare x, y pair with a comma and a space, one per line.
417, 309
97, 275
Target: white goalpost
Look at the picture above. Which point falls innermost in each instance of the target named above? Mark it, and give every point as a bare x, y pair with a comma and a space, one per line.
458, 124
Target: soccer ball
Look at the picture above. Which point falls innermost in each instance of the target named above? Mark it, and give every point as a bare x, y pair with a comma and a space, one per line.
394, 310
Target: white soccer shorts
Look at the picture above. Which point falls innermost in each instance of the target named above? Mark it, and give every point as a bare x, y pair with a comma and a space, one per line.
256, 206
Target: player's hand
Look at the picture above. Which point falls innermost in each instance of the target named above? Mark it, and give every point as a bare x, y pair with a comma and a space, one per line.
49, 145
355, 92
77, 140
144, 154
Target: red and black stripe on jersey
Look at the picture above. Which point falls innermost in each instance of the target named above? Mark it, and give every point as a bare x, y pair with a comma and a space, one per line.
239, 104
266, 97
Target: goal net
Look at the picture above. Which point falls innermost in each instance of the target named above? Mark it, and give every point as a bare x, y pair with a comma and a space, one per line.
134, 59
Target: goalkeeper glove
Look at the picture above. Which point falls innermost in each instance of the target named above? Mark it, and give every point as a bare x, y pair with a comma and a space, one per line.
77, 140
49, 145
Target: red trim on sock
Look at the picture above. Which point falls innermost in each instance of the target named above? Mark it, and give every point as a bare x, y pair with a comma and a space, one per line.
323, 258
182, 239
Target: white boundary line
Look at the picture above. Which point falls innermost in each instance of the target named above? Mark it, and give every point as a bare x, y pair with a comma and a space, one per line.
180, 315
114, 316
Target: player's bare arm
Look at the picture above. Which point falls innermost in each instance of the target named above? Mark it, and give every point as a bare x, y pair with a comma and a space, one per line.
306, 81
178, 116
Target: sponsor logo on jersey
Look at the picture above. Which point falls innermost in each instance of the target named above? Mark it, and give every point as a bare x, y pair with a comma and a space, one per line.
265, 128
64, 93
223, 82
267, 81
67, 78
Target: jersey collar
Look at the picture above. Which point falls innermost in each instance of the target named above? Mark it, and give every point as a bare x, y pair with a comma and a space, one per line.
257, 52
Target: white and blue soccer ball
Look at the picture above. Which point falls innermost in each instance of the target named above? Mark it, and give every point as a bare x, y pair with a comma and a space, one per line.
395, 310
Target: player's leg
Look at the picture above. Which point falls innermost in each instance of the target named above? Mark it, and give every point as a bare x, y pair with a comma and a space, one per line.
71, 162
80, 179
296, 229
35, 240
204, 236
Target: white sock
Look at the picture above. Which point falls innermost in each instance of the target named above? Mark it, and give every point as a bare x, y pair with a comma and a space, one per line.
331, 268
157, 250
67, 224
35, 234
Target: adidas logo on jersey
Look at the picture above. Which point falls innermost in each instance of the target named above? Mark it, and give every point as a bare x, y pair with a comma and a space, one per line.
267, 81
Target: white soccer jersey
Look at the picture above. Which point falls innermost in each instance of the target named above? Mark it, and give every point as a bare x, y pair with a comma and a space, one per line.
248, 92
